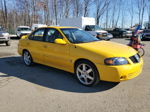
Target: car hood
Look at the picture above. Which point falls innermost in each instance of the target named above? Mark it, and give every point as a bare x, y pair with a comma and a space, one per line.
101, 31
4, 33
108, 49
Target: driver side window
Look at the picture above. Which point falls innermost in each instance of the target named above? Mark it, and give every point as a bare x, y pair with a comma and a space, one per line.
52, 34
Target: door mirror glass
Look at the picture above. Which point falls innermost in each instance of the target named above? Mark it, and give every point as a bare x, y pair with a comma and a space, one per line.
60, 41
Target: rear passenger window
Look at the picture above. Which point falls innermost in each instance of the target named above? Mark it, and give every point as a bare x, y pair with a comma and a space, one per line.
37, 35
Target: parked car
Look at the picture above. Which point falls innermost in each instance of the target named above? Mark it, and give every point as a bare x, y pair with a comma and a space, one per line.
146, 34
98, 32
118, 32
23, 30
88, 24
128, 33
36, 26
76, 51
4, 37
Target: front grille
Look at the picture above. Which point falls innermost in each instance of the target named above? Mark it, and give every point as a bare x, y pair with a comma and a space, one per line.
135, 58
1, 35
2, 38
104, 34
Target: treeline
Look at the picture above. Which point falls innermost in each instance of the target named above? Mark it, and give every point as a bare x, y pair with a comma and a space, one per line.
108, 13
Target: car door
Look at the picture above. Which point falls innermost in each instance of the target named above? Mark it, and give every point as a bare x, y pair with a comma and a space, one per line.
55, 55
35, 45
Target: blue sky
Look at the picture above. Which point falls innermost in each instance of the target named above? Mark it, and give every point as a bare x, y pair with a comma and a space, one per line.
102, 21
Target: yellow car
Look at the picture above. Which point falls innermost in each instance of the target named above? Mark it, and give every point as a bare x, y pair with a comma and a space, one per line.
76, 51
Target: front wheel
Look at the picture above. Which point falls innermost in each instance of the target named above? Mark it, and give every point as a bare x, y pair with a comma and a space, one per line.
86, 73
8, 43
141, 52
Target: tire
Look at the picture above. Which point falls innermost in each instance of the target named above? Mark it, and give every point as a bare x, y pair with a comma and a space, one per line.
141, 52
86, 73
27, 58
8, 43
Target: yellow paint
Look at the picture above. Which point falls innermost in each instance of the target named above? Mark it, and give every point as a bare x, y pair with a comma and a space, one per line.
62, 55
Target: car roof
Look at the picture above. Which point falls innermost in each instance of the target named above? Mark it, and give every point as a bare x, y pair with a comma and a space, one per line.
23, 27
59, 27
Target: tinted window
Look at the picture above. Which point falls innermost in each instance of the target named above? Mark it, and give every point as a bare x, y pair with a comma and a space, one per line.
75, 35
24, 29
52, 34
37, 35
146, 31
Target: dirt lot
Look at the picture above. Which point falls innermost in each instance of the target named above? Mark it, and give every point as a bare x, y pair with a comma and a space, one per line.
44, 89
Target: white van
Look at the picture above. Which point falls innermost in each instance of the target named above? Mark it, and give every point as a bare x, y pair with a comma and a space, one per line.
35, 26
88, 24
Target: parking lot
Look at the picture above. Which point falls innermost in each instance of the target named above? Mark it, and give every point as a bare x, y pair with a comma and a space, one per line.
44, 89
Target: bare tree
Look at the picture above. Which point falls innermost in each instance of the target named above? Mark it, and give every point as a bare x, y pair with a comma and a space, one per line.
101, 7
86, 4
141, 5
148, 10
4, 12
131, 11
56, 11
77, 8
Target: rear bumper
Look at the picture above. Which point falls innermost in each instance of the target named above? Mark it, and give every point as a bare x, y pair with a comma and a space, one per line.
120, 73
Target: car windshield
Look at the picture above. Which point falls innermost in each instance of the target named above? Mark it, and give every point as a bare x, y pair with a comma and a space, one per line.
93, 27
24, 29
146, 31
75, 35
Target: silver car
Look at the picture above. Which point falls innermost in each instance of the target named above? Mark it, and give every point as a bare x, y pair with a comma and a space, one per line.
4, 37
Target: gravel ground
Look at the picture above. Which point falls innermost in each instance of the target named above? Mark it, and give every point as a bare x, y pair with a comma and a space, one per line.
43, 89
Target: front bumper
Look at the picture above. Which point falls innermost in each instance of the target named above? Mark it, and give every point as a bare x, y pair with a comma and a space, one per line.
106, 37
128, 35
4, 39
120, 73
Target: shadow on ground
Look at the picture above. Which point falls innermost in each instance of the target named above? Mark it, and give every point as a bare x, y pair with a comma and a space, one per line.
47, 76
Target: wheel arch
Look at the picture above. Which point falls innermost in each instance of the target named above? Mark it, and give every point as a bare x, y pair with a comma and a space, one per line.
24, 51
83, 59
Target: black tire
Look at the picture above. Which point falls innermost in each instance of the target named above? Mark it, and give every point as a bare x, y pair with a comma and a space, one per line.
8, 43
27, 58
141, 52
86, 77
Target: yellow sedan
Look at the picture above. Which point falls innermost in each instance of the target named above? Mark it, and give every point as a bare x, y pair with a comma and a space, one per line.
76, 51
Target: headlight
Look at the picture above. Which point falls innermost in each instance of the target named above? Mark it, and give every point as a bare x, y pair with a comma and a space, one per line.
5, 34
116, 61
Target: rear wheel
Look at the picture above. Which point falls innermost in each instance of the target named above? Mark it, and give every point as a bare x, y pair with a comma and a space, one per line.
27, 58
86, 73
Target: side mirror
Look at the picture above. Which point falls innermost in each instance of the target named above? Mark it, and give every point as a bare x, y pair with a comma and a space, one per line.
24, 36
60, 41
